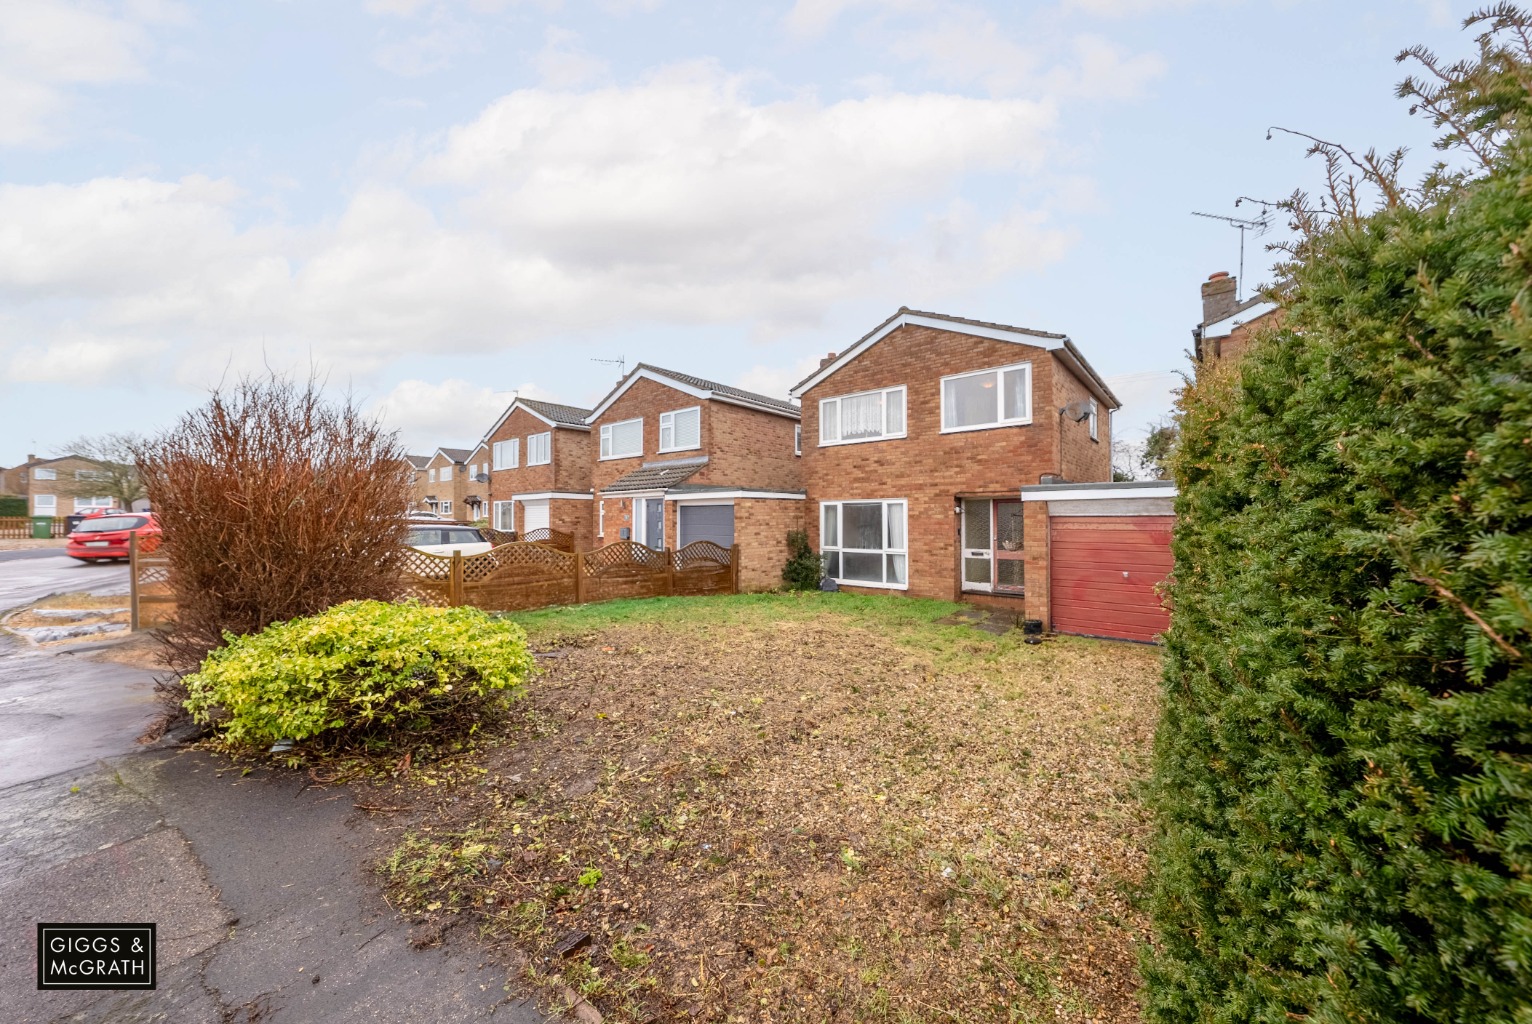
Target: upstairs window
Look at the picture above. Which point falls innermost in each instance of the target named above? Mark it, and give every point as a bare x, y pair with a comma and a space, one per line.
1095, 421
431, 475
681, 431
622, 440
540, 448
507, 454
445, 474
797, 438
867, 416
45, 474
1001, 397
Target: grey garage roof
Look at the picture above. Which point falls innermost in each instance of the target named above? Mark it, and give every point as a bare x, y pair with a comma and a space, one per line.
655, 476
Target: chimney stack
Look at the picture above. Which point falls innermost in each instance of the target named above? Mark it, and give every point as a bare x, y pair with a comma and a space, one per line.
31, 457
1218, 299
827, 360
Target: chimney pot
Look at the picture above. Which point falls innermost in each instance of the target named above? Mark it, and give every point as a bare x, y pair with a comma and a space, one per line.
1218, 296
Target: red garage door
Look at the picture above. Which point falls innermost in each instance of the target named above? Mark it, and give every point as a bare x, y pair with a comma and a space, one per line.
1104, 571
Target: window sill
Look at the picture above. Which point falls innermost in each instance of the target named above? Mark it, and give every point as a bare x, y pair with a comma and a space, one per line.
987, 426
876, 586
864, 440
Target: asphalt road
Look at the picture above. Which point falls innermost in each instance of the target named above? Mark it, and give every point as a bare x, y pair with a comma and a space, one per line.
261, 884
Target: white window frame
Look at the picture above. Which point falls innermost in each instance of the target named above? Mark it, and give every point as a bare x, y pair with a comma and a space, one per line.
44, 474
668, 423
885, 551
546, 446
431, 475
1095, 420
798, 436
446, 508
90, 504
606, 454
445, 475
999, 372
495, 519
498, 452
600, 518
887, 435
40, 507
87, 474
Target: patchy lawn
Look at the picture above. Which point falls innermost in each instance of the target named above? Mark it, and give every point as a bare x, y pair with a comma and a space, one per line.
802, 808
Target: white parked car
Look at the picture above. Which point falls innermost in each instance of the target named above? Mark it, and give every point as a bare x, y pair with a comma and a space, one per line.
446, 538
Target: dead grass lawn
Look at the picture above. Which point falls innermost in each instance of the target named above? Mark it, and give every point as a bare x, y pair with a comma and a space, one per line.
804, 809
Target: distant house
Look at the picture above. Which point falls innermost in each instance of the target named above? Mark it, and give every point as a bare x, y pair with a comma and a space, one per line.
679, 459
540, 456
443, 486
56, 487
918, 439
1227, 323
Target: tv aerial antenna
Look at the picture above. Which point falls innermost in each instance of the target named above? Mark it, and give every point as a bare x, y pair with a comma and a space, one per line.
621, 362
1255, 226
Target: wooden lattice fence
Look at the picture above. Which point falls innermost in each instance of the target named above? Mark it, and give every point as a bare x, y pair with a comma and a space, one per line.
150, 599
513, 577
20, 528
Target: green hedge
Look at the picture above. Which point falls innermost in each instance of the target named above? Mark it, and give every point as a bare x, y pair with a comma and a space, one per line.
1343, 779
11, 506
361, 673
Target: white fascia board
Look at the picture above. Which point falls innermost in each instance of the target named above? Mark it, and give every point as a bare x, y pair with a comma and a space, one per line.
1225, 327
624, 495
562, 495
704, 496
915, 320
1100, 493
634, 378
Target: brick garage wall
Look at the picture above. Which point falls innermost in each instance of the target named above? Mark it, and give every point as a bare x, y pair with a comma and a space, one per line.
1080, 458
573, 517
750, 450
927, 468
760, 530
619, 513
1037, 544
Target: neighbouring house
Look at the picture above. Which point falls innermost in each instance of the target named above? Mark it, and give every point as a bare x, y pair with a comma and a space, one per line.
475, 497
418, 464
1227, 322
446, 482
56, 487
918, 439
540, 456
681, 459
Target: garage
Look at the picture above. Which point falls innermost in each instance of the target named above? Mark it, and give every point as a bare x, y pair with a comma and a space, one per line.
1104, 571
534, 515
706, 522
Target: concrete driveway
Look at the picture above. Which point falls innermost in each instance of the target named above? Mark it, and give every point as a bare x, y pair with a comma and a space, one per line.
260, 883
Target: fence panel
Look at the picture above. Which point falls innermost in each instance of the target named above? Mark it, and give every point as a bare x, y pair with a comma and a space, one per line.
151, 601
517, 577
703, 567
427, 578
552, 538
625, 569
20, 528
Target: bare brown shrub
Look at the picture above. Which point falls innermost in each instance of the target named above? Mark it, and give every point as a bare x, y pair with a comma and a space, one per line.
274, 503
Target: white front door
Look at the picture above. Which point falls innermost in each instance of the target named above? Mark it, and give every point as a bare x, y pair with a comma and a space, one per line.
978, 545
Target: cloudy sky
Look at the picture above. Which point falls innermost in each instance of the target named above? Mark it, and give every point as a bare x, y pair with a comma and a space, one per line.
436, 203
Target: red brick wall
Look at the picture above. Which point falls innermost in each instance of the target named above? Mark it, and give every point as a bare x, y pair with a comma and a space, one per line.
760, 530
1080, 458
574, 452
1037, 546
746, 449
453, 490
571, 516
523, 479
927, 468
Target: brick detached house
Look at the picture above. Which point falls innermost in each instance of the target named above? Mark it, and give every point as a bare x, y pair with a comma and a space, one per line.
445, 483
540, 456
1227, 323
55, 487
918, 439
476, 485
680, 459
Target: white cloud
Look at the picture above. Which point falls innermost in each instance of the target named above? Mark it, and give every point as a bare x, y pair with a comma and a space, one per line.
1127, 8
50, 47
776, 381
561, 64
452, 413
677, 200
810, 18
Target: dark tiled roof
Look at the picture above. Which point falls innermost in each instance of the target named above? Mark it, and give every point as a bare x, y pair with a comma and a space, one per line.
722, 389
419, 461
569, 415
655, 476
457, 454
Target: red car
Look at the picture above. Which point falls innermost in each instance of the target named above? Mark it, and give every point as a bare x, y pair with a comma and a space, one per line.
106, 536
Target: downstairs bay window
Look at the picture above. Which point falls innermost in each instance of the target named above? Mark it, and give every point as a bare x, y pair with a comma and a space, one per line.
863, 543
